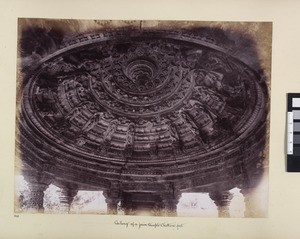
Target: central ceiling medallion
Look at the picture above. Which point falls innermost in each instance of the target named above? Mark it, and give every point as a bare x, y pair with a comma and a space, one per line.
142, 73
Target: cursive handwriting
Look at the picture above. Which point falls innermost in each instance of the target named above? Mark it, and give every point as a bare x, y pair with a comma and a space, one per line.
139, 225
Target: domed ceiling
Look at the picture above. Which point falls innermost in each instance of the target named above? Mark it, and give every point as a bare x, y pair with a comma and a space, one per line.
143, 106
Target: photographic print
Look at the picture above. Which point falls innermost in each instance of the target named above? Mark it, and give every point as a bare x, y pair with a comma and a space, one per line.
152, 118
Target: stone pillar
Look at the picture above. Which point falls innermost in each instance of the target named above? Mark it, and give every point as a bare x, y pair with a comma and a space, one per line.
222, 200
38, 182
112, 205
170, 207
157, 209
170, 199
66, 197
36, 198
112, 199
253, 207
128, 207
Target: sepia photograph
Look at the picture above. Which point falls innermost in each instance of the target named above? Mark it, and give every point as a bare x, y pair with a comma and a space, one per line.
145, 118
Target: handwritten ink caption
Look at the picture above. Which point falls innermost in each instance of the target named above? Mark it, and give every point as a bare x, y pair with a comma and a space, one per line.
140, 225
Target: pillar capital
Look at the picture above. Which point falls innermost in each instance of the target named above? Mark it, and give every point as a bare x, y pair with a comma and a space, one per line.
112, 199
36, 177
67, 195
222, 200
38, 182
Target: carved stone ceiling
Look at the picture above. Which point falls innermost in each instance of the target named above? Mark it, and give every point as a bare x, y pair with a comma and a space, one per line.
143, 98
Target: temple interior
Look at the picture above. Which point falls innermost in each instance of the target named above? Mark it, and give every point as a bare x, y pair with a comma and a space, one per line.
159, 122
